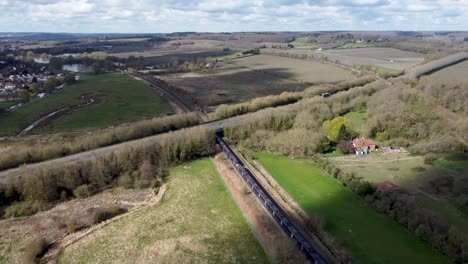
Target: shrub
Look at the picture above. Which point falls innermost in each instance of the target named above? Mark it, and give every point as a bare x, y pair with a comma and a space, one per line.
82, 191
33, 250
429, 159
125, 181
103, 214
25, 208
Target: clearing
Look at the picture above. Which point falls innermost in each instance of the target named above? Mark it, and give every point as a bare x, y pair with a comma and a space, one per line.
197, 221
118, 99
366, 233
356, 120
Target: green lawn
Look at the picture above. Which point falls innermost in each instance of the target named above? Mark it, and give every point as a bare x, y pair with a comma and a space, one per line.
356, 120
370, 236
119, 98
197, 222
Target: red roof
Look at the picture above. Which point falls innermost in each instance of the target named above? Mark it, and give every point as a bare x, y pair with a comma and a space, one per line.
362, 142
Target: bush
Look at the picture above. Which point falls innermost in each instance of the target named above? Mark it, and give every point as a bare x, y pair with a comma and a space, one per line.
25, 208
125, 181
101, 215
82, 191
33, 250
429, 159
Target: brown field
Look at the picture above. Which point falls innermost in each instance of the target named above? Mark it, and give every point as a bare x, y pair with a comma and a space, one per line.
381, 57
250, 77
300, 70
457, 72
232, 83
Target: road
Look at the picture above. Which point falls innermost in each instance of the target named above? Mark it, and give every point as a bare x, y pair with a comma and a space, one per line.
13, 175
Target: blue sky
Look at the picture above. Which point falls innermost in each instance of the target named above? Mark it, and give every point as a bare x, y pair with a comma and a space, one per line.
135, 16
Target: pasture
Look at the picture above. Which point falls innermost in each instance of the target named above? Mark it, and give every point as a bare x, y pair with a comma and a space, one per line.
413, 175
197, 221
457, 72
368, 235
356, 120
118, 99
254, 76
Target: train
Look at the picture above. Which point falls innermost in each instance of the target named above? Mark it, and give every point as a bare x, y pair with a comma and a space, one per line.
277, 212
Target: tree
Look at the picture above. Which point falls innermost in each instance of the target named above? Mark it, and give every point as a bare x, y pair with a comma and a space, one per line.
34, 88
69, 79
50, 84
335, 128
24, 95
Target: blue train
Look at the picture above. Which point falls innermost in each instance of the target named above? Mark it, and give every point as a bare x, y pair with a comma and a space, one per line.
278, 214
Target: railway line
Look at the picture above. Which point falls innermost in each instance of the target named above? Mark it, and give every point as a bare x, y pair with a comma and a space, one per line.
273, 207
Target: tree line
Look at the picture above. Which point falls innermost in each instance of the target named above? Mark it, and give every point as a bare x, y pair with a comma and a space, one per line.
40, 152
141, 166
225, 111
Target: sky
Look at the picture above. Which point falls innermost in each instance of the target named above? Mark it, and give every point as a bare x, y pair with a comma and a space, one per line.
161, 16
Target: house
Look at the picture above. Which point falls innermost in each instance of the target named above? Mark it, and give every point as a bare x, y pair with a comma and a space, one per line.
363, 146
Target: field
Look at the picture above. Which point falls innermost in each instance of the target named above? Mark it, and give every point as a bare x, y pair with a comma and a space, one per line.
6, 104
356, 120
352, 45
118, 99
300, 70
381, 57
254, 76
410, 173
457, 72
303, 43
197, 221
371, 237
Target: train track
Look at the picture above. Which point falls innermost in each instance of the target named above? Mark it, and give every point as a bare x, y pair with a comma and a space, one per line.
164, 88
272, 206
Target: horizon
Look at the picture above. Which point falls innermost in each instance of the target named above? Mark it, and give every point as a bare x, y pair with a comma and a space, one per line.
114, 16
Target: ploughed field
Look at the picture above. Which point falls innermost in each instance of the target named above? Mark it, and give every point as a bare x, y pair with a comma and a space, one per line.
370, 237
196, 221
117, 99
254, 76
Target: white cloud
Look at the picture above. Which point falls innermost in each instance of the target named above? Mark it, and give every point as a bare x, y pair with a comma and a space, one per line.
231, 15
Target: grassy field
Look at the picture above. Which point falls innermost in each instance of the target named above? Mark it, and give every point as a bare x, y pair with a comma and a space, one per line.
303, 43
370, 236
456, 72
412, 174
6, 104
197, 222
352, 45
356, 120
119, 99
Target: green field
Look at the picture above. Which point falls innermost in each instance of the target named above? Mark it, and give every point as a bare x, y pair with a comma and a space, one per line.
454, 165
356, 120
197, 222
352, 45
119, 99
370, 236
5, 104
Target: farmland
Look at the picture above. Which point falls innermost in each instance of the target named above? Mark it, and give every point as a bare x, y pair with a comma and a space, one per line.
380, 57
345, 216
197, 221
254, 76
118, 99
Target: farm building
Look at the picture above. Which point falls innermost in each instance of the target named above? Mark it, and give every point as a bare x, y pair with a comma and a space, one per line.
363, 145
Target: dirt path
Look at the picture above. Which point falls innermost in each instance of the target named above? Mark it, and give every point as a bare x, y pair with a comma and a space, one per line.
62, 243
52, 116
280, 247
